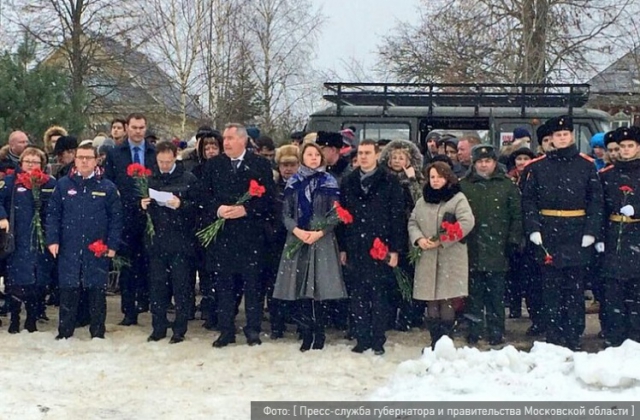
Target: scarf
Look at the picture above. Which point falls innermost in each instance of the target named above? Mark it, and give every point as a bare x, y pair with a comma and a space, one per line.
444, 194
306, 184
366, 179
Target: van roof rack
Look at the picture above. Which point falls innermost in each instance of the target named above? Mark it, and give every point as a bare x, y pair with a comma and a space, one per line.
476, 95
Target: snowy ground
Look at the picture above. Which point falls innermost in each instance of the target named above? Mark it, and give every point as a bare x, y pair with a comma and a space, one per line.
124, 377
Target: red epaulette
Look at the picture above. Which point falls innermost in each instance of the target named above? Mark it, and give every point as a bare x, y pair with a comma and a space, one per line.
587, 157
605, 169
539, 158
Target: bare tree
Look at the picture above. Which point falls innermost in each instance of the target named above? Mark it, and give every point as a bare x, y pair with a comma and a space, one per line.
175, 39
282, 39
533, 41
75, 29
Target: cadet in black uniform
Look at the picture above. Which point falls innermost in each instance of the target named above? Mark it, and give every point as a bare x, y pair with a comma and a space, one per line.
562, 204
621, 246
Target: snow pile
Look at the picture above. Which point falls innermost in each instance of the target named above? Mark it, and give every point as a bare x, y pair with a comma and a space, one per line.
548, 372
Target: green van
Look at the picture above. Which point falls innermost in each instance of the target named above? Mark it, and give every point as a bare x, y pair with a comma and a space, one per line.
411, 110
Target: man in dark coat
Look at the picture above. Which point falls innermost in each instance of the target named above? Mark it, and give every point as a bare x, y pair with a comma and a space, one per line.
236, 254
172, 248
64, 151
376, 200
495, 201
133, 278
84, 208
562, 204
10, 154
621, 264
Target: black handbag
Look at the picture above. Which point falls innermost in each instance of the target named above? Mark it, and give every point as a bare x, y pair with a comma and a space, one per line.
7, 238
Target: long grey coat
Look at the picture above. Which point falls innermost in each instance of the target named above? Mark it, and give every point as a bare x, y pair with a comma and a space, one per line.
314, 271
443, 272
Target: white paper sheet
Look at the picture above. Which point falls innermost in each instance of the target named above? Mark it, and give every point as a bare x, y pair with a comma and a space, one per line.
160, 197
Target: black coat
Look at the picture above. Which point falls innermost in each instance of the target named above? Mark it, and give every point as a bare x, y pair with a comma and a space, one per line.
115, 167
240, 245
341, 169
563, 179
379, 213
622, 263
174, 228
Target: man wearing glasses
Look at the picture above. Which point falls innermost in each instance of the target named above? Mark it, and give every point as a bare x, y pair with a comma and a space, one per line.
83, 209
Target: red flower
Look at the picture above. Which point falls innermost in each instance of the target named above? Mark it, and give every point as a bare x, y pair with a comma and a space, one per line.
99, 248
255, 189
137, 170
24, 179
10, 171
548, 259
451, 232
343, 214
626, 189
379, 250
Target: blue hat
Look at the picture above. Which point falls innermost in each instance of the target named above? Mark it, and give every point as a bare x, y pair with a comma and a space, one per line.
253, 132
521, 132
597, 140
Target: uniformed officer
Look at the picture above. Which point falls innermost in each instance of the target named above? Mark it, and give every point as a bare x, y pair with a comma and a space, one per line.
621, 265
562, 204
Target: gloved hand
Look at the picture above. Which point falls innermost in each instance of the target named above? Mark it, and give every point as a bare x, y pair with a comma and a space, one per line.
628, 210
536, 238
600, 247
588, 240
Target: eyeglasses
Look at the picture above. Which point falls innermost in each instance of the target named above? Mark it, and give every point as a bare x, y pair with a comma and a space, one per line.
32, 162
85, 157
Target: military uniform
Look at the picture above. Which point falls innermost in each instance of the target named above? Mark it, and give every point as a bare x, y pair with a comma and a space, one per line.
621, 267
562, 201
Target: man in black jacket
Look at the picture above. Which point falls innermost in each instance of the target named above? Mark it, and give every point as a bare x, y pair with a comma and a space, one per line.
133, 279
236, 255
376, 201
172, 248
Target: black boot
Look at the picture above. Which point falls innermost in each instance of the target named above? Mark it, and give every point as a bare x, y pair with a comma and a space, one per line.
318, 341
447, 328
14, 325
307, 339
30, 324
435, 331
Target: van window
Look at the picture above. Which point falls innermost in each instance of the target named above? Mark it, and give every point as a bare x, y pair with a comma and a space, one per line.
582, 135
380, 130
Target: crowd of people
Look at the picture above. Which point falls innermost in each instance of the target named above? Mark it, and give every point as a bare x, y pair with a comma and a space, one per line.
325, 232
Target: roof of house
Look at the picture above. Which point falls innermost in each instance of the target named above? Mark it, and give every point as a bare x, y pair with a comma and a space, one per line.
622, 76
144, 83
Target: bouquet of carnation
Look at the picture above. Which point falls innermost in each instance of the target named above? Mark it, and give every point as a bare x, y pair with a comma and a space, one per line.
380, 252
209, 233
34, 180
337, 214
100, 250
450, 231
141, 175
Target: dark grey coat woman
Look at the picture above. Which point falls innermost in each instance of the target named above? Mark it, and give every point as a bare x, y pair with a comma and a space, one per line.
312, 272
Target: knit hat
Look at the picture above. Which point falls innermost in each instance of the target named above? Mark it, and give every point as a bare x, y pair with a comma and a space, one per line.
520, 132
597, 141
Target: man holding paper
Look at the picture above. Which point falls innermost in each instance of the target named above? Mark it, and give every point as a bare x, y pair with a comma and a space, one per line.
172, 208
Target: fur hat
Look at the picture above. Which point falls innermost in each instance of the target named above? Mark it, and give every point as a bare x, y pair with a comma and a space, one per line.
65, 143
542, 132
562, 123
288, 153
610, 137
330, 139
624, 133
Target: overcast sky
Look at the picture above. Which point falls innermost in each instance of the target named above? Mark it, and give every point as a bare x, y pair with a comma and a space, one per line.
354, 28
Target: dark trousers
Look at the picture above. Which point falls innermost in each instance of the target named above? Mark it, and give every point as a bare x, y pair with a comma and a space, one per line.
133, 279
169, 275
370, 306
563, 295
208, 303
228, 292
312, 316
83, 318
30, 295
486, 303
622, 299
535, 301
69, 299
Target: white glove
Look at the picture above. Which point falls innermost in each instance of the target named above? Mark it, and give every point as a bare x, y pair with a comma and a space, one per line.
628, 210
536, 238
588, 240
600, 247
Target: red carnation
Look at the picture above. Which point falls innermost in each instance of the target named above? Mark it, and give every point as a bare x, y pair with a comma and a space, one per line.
379, 250
343, 214
137, 170
626, 189
255, 189
99, 248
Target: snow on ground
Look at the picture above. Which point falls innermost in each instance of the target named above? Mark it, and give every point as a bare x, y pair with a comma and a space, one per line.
124, 377
547, 372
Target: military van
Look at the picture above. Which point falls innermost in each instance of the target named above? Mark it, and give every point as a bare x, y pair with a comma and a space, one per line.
410, 111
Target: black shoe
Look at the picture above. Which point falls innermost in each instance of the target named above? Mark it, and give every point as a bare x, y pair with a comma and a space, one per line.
30, 325
275, 335
378, 350
100, 336
496, 341
360, 348
224, 340
253, 339
157, 336
61, 337
126, 322
307, 340
14, 328
176, 339
318, 341
472, 339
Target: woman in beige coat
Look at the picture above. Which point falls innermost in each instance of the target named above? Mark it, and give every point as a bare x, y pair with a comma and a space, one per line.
442, 271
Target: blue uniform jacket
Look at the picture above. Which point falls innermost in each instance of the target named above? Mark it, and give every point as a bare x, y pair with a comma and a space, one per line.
26, 265
80, 212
